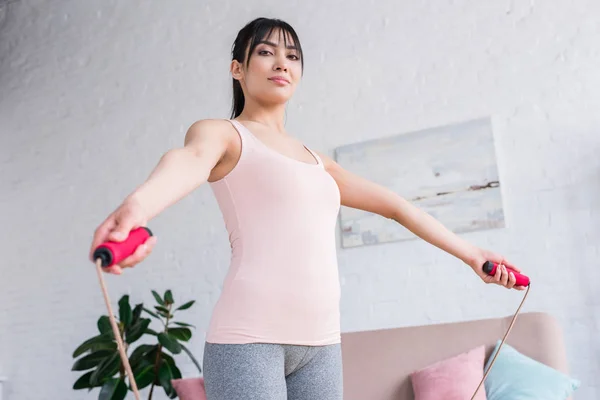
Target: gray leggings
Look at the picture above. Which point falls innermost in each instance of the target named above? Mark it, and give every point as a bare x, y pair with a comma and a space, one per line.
265, 371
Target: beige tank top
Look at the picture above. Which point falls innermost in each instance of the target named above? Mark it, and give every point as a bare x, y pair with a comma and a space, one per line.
282, 285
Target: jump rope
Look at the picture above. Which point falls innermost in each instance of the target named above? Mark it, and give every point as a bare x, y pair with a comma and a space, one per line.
111, 253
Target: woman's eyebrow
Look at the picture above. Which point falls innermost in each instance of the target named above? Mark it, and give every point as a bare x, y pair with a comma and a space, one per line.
289, 46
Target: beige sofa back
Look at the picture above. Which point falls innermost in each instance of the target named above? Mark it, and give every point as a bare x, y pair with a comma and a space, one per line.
377, 363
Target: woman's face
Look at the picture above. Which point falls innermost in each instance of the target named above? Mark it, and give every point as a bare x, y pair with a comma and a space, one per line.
274, 70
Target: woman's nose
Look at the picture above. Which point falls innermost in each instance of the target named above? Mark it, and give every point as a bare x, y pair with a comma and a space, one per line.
281, 64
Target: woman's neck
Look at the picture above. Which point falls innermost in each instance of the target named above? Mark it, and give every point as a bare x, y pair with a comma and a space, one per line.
272, 118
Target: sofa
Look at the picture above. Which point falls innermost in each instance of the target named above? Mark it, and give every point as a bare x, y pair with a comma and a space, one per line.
377, 364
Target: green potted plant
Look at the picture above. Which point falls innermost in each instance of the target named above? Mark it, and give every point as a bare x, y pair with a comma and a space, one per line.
153, 364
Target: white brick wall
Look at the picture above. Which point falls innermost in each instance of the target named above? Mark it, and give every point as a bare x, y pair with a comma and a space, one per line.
92, 93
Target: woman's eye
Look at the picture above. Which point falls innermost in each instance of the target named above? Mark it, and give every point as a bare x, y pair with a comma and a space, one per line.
265, 52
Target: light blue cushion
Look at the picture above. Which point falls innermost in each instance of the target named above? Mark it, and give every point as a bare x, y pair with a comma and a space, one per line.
516, 376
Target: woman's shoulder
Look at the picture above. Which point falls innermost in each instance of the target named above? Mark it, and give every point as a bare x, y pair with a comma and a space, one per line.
218, 139
210, 128
210, 125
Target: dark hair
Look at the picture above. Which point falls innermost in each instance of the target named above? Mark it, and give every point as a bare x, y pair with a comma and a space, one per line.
250, 35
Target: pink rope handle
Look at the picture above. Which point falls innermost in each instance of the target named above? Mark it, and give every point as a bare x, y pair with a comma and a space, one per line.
116, 331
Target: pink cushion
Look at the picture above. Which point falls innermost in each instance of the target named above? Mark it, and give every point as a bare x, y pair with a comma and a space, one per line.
455, 378
189, 388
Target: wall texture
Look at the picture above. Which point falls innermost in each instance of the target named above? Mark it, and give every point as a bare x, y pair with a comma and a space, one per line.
92, 93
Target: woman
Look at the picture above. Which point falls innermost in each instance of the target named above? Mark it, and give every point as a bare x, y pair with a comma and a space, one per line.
275, 331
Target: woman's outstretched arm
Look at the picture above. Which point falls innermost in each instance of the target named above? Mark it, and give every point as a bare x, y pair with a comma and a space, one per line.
178, 172
360, 193
183, 169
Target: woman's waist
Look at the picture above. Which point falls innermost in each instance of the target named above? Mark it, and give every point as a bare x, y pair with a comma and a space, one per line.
296, 292
288, 274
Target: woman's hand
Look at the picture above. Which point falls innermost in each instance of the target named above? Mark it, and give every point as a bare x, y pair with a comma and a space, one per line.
503, 275
116, 227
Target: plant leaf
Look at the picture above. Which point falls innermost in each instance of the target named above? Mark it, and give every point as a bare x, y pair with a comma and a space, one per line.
165, 374
161, 308
91, 360
184, 324
189, 353
108, 389
186, 305
163, 312
151, 355
106, 369
136, 331
139, 353
121, 391
113, 389
169, 297
104, 324
151, 332
125, 313
166, 357
184, 334
158, 299
142, 364
175, 371
137, 313
104, 338
145, 377
83, 382
112, 345
151, 313
169, 343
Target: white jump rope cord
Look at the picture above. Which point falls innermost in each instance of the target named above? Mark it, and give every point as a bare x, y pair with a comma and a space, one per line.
115, 329
502, 343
